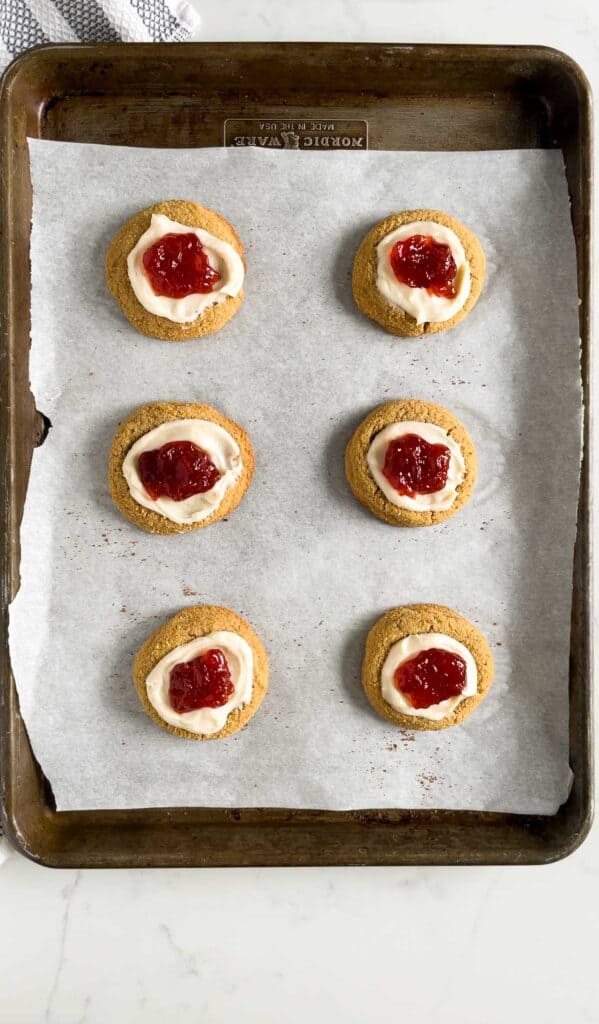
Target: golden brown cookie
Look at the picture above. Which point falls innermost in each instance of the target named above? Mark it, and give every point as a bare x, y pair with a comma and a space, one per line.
141, 422
188, 625
423, 618
364, 280
362, 482
185, 212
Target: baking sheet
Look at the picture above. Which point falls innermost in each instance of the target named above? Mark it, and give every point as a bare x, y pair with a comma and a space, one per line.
299, 367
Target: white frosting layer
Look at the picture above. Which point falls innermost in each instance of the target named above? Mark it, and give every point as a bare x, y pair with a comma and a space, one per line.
419, 302
438, 501
214, 440
222, 256
408, 648
204, 721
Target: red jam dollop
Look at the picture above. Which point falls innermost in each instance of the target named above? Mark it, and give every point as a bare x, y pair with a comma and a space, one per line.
177, 470
204, 682
421, 262
413, 466
430, 677
178, 266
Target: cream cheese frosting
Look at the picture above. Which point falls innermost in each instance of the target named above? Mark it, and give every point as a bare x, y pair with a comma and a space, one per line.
419, 302
218, 444
204, 721
222, 256
438, 501
408, 648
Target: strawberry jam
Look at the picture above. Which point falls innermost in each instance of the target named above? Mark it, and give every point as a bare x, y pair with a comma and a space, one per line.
204, 682
413, 466
420, 262
178, 470
178, 266
430, 677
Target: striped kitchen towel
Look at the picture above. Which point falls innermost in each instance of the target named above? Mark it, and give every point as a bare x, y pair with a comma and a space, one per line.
25, 23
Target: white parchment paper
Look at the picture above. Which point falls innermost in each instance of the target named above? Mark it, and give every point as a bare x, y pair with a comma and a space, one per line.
309, 567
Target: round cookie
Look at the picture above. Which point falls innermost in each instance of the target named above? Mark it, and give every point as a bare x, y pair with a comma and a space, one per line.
364, 279
117, 276
187, 625
415, 619
146, 418
367, 490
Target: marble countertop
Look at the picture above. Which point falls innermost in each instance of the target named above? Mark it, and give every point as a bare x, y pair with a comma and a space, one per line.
457, 945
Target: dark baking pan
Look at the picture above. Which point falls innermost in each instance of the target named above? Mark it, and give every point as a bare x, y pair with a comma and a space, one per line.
307, 96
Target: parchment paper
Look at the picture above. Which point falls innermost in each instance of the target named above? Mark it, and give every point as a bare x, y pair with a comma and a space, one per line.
309, 567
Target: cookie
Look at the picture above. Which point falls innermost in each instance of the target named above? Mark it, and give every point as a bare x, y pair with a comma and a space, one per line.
225, 444
191, 635
365, 455
399, 306
126, 275
418, 628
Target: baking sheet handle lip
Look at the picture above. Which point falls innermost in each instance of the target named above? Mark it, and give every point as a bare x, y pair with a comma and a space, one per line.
538, 53
66, 846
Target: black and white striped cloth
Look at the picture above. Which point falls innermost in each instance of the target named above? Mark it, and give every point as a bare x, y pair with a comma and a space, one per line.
25, 23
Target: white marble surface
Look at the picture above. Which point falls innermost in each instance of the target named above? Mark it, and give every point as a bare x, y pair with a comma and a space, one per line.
352, 945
